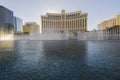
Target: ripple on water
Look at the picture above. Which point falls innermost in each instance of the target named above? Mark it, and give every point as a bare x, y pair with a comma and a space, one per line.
60, 60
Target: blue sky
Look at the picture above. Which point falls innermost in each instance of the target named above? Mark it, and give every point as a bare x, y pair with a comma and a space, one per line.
31, 10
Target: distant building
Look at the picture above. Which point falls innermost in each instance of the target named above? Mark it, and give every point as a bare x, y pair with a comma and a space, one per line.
107, 24
31, 27
6, 21
18, 24
73, 22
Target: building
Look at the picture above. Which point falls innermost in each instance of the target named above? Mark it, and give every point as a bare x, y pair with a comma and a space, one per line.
31, 27
18, 24
73, 22
107, 24
6, 21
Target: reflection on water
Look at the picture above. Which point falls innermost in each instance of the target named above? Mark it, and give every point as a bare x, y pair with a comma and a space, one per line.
60, 60
6, 48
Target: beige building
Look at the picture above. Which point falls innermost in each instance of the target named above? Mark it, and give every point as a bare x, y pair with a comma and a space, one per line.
57, 22
110, 23
31, 27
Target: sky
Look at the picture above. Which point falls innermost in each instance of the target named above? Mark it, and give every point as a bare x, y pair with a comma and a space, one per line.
31, 10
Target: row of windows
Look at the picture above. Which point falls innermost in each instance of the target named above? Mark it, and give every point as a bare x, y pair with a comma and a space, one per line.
109, 24
80, 21
73, 16
67, 17
63, 20
54, 17
75, 24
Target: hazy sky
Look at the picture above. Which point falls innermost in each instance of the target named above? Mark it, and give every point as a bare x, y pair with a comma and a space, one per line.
30, 10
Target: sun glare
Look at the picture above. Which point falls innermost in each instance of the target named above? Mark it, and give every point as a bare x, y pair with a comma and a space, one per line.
6, 37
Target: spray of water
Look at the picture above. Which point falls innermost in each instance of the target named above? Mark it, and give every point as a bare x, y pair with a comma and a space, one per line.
100, 35
4, 36
44, 36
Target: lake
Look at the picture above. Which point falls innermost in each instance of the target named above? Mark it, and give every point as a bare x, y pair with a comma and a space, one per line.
60, 60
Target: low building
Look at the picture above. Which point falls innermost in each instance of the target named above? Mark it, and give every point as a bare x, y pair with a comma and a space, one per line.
31, 27
107, 24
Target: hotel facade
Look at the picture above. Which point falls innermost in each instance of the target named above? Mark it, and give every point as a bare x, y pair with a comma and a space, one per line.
31, 28
6, 21
18, 24
73, 22
107, 24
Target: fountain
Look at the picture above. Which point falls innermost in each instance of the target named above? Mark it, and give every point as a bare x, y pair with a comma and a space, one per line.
44, 36
4, 36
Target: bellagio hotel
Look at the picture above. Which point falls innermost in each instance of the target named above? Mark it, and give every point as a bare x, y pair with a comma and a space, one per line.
57, 22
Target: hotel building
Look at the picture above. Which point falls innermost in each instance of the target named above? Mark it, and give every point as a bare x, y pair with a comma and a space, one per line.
73, 22
6, 24
6, 21
107, 24
18, 24
31, 27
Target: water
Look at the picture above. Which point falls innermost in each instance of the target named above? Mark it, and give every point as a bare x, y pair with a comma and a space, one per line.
100, 35
44, 36
60, 60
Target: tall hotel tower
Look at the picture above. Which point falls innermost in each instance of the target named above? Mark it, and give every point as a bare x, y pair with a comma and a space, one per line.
6, 22
73, 22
